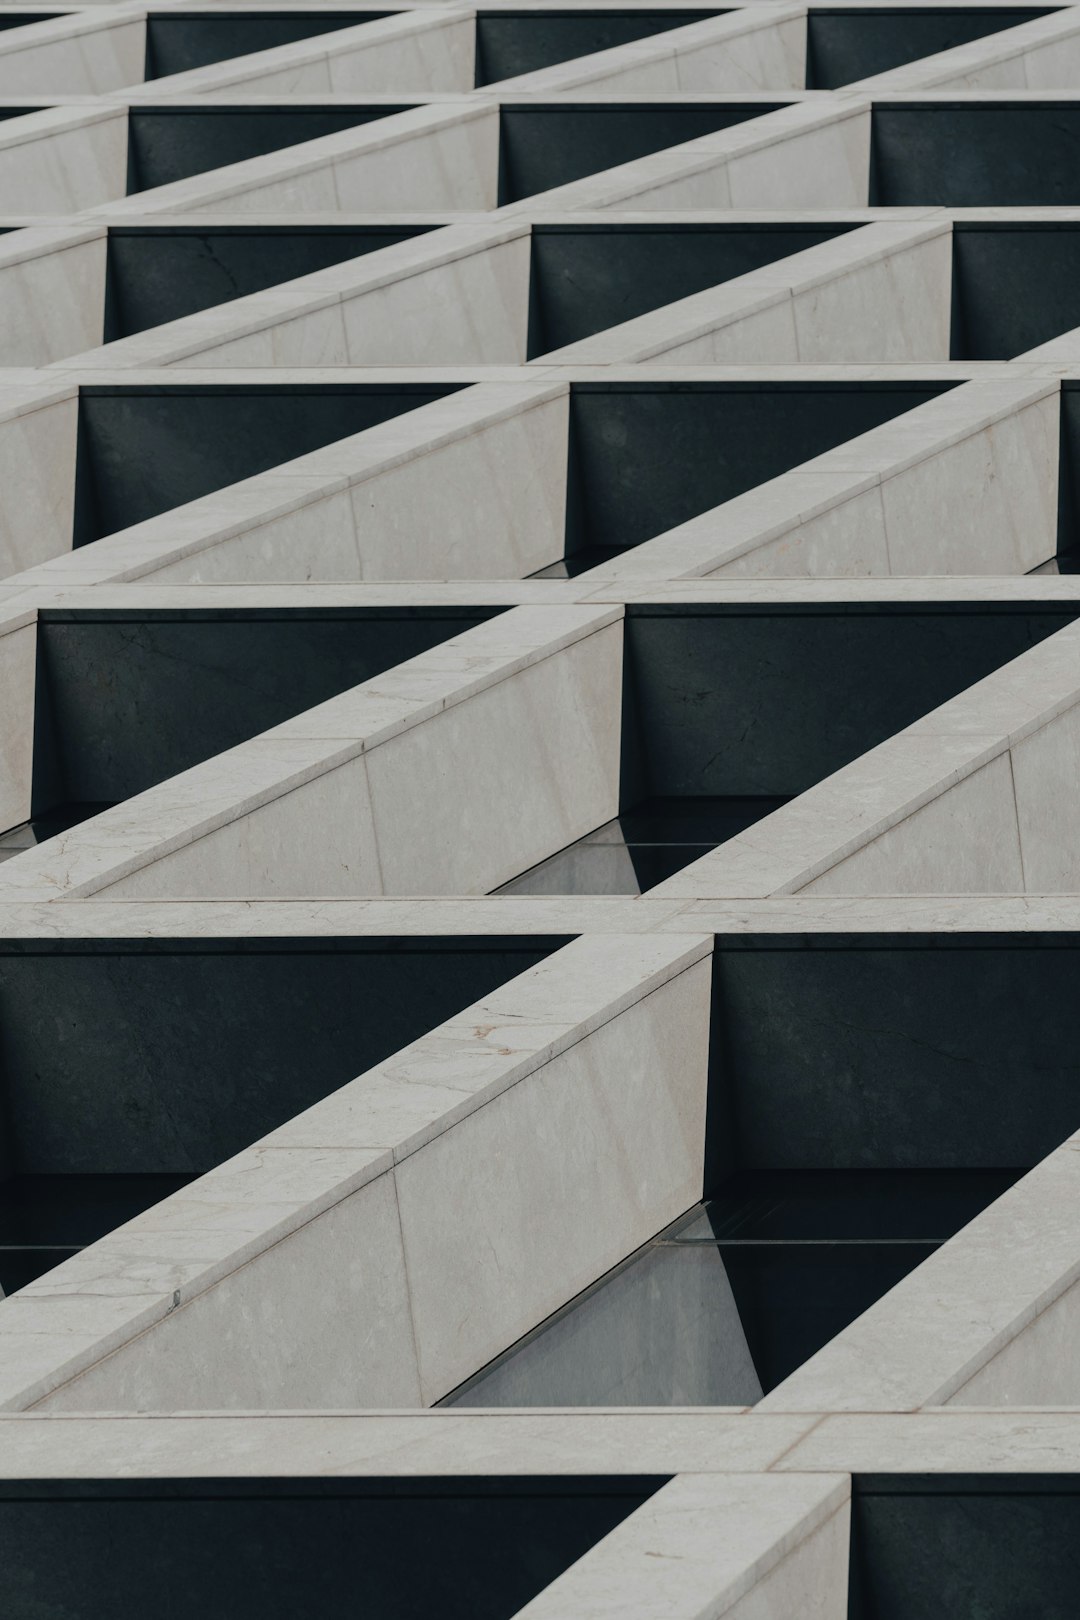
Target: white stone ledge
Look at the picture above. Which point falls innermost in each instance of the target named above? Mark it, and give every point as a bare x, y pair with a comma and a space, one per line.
969, 1324
950, 1440
610, 1034
543, 687
711, 1545
63, 159
76, 53
536, 915
40, 1445
403, 1445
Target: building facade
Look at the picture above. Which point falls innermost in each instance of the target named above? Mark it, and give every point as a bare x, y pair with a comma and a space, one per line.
540, 810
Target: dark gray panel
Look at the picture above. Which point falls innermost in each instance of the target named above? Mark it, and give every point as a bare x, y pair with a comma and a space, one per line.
974, 155
144, 451
195, 39
545, 146
769, 703
586, 278
513, 42
20, 19
168, 1056
279, 1549
133, 700
846, 45
157, 275
1013, 287
647, 456
891, 1055
172, 143
997, 1547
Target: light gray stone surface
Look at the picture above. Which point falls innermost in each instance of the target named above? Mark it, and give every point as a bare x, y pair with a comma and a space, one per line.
386, 1244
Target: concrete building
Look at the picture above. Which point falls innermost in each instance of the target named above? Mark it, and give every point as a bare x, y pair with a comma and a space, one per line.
540, 810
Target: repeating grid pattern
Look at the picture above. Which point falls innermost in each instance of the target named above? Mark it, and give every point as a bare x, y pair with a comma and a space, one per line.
540, 809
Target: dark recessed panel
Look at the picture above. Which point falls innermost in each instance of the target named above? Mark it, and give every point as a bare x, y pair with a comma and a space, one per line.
546, 146
173, 143
843, 46
747, 703
1014, 287
513, 42
124, 701
22, 19
164, 273
892, 1055
586, 278
143, 451
995, 1546
169, 1056
647, 456
462, 1549
196, 39
975, 154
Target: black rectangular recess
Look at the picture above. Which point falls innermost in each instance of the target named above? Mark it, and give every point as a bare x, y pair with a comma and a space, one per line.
646, 456
125, 699
158, 273
126, 1067
542, 145
975, 154
513, 42
891, 1052
23, 19
585, 278
168, 1055
842, 46
739, 700
168, 142
1015, 284
465, 1548
143, 450
184, 40
996, 1545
